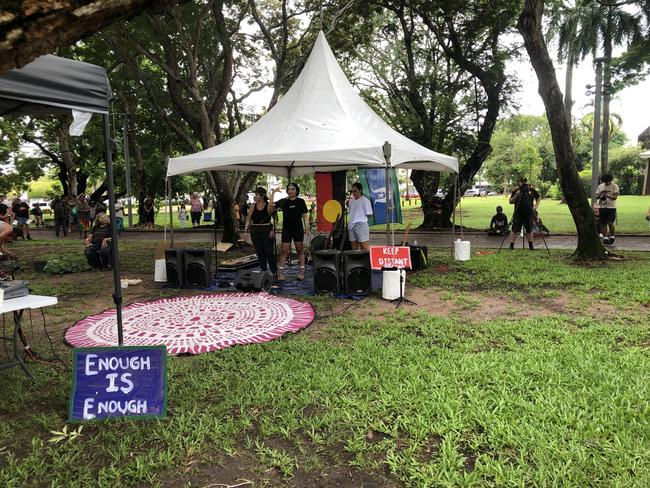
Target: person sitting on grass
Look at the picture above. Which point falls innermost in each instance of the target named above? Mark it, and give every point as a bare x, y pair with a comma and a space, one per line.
499, 223
99, 251
539, 229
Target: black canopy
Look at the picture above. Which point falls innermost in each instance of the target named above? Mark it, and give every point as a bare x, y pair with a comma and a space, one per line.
51, 84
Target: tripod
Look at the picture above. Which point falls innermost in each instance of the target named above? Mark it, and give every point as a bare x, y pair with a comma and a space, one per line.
506, 233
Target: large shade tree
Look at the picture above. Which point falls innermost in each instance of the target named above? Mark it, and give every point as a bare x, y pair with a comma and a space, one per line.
30, 29
531, 28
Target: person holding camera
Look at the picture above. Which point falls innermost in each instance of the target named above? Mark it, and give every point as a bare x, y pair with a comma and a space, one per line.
526, 200
607, 194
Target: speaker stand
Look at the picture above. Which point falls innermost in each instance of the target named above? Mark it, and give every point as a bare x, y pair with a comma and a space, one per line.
399, 300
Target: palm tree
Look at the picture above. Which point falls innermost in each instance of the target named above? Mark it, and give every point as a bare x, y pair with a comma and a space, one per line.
582, 28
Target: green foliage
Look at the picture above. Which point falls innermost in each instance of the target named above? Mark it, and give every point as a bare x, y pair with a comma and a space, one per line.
67, 264
628, 169
521, 147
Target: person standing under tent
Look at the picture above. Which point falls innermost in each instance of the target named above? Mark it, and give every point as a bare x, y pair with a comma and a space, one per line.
260, 227
607, 194
294, 222
360, 209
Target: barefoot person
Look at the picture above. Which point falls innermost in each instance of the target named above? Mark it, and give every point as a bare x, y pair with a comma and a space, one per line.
294, 223
360, 209
258, 223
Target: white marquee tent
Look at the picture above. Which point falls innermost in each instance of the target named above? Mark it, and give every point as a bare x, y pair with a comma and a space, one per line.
321, 124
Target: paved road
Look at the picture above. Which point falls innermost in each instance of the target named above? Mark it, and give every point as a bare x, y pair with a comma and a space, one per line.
431, 239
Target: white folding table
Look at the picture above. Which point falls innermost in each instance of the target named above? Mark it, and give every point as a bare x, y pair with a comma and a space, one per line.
18, 306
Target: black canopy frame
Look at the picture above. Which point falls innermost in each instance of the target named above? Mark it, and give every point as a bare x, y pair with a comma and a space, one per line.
55, 85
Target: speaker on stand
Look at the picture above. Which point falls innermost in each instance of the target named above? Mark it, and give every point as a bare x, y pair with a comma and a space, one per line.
357, 277
174, 267
196, 267
327, 263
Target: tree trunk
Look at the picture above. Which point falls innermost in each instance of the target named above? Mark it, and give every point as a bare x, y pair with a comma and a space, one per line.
568, 80
66, 155
530, 27
426, 184
30, 29
607, 89
479, 154
140, 184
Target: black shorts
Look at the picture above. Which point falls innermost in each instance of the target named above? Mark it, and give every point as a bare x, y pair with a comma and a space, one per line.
606, 215
295, 235
522, 220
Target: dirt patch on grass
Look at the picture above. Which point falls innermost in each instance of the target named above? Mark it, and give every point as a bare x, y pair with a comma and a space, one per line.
244, 469
481, 306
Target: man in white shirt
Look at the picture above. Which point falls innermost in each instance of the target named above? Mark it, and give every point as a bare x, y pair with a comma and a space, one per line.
607, 193
360, 209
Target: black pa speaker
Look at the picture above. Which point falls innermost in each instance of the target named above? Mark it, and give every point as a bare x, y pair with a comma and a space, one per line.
174, 266
253, 280
326, 271
419, 257
357, 278
196, 267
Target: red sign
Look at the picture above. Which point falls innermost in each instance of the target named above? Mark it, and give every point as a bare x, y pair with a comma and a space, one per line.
390, 257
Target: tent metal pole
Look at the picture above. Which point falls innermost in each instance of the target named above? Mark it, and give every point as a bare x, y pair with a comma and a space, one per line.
171, 215
117, 294
453, 217
386, 148
127, 167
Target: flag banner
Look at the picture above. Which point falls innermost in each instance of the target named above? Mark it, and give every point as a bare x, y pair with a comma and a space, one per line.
374, 185
330, 198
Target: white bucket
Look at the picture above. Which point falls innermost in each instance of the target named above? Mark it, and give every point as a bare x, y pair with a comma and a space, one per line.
124, 283
391, 284
462, 250
160, 271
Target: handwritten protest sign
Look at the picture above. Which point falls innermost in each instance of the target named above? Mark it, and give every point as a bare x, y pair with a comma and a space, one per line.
390, 257
119, 382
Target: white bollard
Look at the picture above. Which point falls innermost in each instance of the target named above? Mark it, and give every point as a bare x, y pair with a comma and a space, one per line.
390, 289
160, 271
462, 250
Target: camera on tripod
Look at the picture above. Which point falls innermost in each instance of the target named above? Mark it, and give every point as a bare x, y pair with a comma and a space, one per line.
603, 197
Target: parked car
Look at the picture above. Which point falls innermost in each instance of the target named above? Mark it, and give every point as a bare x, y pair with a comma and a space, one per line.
472, 193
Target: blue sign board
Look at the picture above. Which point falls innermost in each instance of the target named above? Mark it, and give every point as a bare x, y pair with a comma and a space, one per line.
112, 382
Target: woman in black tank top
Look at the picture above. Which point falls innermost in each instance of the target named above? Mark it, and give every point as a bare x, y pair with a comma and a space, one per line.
259, 224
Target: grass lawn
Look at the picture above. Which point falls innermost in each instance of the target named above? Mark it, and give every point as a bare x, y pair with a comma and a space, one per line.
516, 369
476, 213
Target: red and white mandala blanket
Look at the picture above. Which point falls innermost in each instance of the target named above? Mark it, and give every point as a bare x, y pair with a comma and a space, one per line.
196, 324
